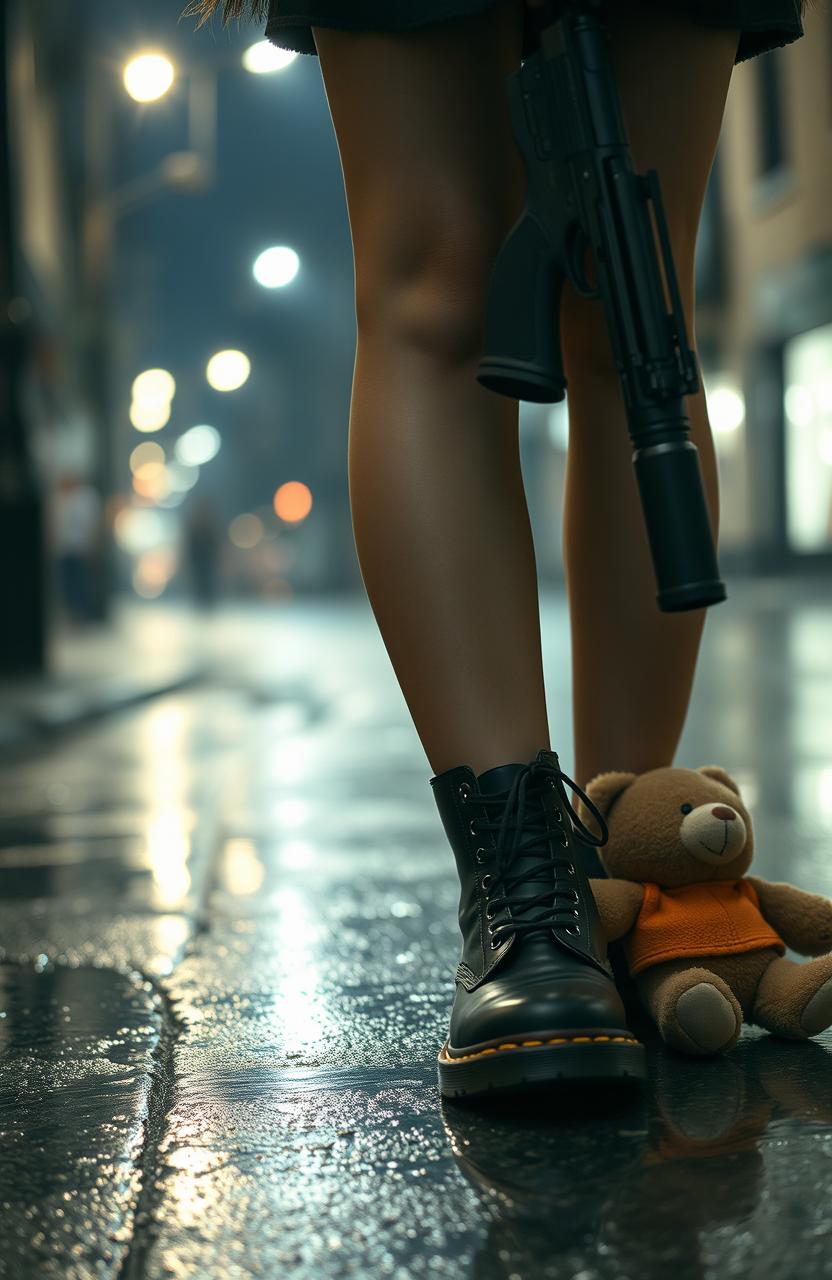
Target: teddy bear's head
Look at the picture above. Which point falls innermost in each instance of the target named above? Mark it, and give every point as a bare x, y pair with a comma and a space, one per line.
673, 826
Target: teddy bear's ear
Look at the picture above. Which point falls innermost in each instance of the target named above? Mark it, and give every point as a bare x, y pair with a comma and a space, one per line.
607, 787
716, 772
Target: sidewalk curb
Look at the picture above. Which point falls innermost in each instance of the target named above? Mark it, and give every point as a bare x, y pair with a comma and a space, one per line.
55, 711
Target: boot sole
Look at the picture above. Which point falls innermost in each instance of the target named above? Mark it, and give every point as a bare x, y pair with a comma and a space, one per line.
514, 1066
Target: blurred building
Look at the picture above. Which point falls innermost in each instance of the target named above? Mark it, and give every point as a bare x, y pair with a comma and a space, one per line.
48, 417
765, 303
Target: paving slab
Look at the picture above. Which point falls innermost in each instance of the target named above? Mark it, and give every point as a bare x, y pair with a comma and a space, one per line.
106, 838
79, 1055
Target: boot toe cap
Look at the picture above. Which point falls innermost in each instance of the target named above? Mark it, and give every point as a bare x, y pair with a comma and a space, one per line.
540, 1006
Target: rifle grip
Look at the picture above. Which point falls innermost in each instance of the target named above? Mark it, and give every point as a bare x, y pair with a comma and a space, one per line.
521, 354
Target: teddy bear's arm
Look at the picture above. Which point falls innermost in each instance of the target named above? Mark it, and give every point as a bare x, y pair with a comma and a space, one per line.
618, 902
803, 920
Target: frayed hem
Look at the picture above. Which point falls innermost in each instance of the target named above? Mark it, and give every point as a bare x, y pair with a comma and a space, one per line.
293, 31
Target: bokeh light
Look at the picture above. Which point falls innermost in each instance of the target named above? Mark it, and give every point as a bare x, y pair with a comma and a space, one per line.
174, 498
153, 571
198, 445
150, 480
228, 370
149, 451
276, 267
153, 386
148, 76
137, 529
246, 530
293, 501
149, 417
182, 477
262, 57
726, 408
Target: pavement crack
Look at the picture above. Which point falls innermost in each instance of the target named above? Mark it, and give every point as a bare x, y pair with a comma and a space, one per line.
160, 1101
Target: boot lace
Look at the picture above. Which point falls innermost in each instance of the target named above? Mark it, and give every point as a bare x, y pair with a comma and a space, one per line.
522, 831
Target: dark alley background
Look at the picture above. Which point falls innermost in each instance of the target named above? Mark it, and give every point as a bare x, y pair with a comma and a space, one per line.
227, 907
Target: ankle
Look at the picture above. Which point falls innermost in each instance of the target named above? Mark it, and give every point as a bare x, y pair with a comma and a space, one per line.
481, 759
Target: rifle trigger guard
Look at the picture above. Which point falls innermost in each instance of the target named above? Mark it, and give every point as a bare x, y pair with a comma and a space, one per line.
577, 242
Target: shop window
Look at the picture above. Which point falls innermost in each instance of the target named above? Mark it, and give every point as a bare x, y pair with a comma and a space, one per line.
808, 440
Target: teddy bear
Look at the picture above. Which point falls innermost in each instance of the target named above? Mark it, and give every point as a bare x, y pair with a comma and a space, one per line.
704, 943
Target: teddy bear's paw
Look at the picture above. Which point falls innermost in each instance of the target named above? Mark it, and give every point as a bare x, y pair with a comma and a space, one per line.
817, 1015
707, 1020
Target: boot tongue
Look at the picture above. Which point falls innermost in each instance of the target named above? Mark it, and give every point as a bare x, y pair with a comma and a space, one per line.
500, 779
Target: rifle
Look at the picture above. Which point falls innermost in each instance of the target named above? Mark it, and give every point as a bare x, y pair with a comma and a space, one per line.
583, 192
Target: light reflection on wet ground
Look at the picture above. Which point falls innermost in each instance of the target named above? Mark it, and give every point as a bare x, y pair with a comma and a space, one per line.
241, 899
76, 1057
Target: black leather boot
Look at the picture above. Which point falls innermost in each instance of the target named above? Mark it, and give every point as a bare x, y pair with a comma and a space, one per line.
535, 998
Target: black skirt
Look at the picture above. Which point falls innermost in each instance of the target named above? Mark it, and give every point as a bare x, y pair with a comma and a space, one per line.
763, 24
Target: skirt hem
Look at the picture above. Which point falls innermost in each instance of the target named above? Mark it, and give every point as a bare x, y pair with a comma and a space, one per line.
293, 31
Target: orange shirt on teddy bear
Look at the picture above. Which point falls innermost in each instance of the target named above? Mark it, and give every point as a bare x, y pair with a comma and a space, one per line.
713, 918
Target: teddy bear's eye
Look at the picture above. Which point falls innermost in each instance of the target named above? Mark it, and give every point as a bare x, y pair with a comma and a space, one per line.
687, 808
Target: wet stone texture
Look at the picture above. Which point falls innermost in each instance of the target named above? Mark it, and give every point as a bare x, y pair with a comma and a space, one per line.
242, 898
77, 1051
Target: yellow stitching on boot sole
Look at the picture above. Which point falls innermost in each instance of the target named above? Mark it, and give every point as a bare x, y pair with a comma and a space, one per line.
558, 1040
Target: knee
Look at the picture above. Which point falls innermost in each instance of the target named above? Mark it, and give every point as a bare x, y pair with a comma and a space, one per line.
427, 286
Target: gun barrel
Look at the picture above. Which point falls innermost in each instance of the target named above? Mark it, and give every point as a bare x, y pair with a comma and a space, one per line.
678, 526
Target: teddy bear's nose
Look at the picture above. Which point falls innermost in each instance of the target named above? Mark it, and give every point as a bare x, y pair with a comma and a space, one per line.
721, 811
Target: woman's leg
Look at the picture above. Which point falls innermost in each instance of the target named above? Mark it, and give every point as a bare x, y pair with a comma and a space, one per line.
633, 666
433, 182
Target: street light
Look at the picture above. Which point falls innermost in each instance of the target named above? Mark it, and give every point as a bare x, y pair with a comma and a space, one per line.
276, 267
148, 76
228, 370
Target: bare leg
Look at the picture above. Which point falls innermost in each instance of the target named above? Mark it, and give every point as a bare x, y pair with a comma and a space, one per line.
433, 182
633, 666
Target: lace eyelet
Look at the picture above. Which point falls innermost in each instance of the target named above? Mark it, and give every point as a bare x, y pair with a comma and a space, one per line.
489, 914
464, 791
495, 943
486, 880
570, 868
565, 840
573, 928
576, 913
472, 828
480, 855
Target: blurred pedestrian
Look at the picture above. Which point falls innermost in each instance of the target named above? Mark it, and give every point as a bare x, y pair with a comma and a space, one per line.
76, 516
203, 540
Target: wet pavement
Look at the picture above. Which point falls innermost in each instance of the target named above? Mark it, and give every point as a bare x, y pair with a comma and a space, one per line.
227, 945
97, 668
